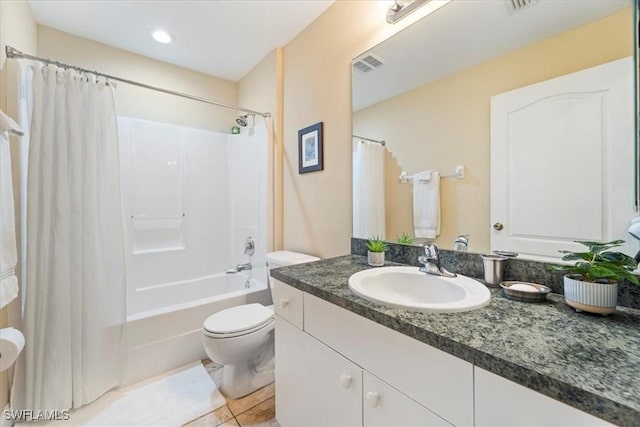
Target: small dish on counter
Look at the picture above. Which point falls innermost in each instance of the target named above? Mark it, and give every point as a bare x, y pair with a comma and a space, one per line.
524, 291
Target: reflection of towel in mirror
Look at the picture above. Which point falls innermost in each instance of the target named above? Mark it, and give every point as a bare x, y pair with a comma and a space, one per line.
426, 204
8, 252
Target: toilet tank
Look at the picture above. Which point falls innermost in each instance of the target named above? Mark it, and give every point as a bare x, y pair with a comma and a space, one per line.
283, 259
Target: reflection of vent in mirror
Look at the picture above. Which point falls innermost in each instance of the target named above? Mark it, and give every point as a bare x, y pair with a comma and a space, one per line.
367, 62
517, 5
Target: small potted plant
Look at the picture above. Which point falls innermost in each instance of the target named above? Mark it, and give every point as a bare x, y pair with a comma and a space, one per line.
591, 284
405, 239
376, 247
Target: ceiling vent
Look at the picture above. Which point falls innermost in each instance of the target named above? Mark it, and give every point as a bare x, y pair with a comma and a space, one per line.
517, 5
367, 62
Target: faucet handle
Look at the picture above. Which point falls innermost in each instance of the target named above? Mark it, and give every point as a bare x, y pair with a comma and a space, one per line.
249, 246
431, 251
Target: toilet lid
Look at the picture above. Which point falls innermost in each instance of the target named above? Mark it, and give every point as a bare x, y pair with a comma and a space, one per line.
238, 319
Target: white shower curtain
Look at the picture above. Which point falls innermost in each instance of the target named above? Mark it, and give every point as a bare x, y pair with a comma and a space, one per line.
74, 315
368, 189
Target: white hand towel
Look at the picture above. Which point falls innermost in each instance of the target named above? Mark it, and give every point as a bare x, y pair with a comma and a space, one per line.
426, 204
7, 124
8, 251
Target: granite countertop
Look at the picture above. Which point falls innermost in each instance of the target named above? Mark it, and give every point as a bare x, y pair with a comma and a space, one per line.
588, 361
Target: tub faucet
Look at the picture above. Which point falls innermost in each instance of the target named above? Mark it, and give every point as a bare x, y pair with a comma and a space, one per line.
239, 268
432, 263
242, 267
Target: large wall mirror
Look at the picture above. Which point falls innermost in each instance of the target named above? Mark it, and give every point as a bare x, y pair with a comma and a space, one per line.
549, 156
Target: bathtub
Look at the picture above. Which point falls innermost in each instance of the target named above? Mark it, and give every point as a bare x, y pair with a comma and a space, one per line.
164, 331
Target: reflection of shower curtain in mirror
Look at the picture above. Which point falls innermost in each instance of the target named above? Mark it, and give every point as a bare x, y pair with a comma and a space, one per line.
368, 189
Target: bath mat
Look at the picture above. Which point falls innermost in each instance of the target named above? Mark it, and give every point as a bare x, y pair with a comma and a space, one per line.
172, 399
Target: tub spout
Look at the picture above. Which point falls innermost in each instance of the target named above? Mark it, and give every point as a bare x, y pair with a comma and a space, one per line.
242, 267
239, 268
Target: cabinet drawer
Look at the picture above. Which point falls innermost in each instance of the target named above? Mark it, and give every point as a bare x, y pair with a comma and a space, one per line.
501, 402
436, 380
288, 303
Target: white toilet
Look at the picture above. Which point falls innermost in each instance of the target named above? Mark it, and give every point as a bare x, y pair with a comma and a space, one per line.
241, 337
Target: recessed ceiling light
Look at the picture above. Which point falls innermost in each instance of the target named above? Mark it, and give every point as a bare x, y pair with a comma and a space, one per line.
162, 36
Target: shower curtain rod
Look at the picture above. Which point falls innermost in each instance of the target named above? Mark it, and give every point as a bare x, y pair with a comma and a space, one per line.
16, 54
381, 142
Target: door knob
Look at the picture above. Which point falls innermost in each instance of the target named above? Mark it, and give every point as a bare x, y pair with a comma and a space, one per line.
284, 303
345, 380
373, 399
498, 226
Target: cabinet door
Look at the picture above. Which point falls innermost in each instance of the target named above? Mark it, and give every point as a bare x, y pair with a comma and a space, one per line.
500, 402
334, 387
385, 406
433, 378
315, 386
291, 384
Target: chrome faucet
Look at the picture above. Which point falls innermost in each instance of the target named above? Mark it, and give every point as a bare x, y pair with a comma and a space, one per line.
239, 268
432, 263
242, 267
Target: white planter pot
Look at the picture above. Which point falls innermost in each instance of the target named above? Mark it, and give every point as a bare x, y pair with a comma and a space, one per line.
375, 259
599, 298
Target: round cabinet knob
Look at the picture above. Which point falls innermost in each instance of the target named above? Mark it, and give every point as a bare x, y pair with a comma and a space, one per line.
498, 226
284, 303
373, 399
345, 381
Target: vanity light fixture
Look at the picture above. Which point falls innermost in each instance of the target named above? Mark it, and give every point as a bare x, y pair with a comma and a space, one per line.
162, 36
402, 8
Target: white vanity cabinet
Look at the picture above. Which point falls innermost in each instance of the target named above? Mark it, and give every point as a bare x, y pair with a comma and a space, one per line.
436, 380
345, 370
316, 386
500, 402
336, 368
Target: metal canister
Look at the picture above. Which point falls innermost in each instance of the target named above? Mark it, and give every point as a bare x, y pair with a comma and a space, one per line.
493, 269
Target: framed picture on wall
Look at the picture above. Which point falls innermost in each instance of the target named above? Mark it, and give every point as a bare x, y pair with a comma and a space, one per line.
310, 149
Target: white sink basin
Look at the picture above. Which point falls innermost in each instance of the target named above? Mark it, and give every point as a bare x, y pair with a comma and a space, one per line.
410, 289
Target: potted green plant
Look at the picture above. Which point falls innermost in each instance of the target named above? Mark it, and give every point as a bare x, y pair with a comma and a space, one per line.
376, 246
591, 284
404, 238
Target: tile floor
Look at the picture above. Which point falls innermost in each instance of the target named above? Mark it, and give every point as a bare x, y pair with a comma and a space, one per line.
256, 410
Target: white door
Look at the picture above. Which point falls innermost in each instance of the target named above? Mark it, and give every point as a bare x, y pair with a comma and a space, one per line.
562, 155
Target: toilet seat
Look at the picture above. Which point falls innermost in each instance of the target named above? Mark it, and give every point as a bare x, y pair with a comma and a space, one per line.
237, 321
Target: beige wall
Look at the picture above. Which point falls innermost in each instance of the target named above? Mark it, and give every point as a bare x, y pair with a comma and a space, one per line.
317, 87
447, 122
143, 103
17, 29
